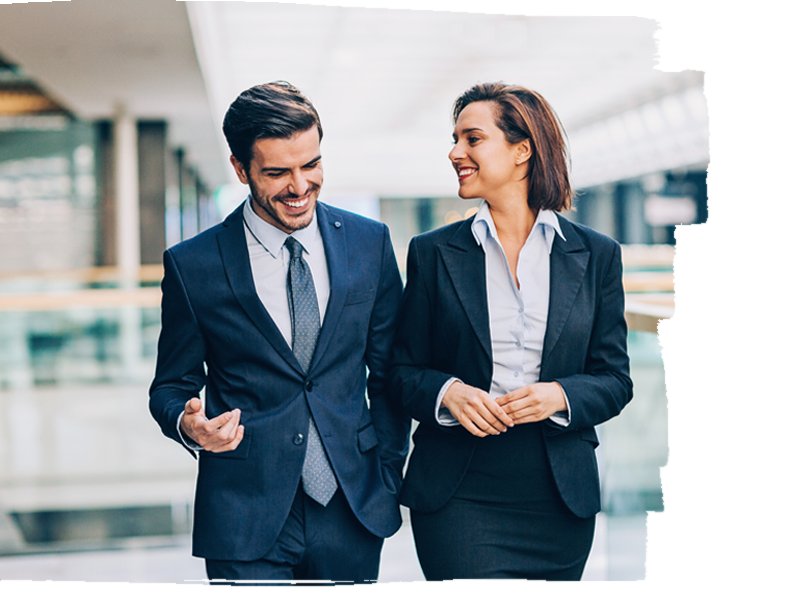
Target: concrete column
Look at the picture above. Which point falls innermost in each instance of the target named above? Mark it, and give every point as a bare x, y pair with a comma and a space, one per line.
126, 185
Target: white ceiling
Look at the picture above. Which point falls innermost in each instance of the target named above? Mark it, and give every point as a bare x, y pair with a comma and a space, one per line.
382, 80
93, 55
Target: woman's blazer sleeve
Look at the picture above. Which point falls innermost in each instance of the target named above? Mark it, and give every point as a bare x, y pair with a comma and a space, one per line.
414, 384
604, 387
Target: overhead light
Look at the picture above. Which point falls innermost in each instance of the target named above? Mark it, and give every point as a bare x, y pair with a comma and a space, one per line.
25, 102
19, 95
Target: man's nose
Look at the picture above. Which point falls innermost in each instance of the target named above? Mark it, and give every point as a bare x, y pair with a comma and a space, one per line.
298, 184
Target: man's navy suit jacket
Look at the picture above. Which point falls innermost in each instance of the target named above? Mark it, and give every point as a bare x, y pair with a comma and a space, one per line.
217, 334
443, 331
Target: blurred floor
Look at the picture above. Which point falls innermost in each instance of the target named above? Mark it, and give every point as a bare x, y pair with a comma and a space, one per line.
618, 554
96, 449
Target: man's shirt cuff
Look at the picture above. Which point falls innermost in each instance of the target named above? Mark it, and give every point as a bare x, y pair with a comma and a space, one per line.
186, 442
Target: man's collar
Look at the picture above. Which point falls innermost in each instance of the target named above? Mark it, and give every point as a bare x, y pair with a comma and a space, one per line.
273, 238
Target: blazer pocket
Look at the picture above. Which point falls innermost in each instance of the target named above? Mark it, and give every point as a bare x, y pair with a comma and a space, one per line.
241, 451
359, 296
367, 438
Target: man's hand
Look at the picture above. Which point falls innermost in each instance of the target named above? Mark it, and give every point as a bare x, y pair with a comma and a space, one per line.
535, 402
220, 434
475, 410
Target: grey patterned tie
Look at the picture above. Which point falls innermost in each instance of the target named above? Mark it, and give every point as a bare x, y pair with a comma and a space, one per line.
319, 481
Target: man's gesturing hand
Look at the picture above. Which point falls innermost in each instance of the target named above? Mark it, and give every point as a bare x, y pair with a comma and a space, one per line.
475, 410
220, 434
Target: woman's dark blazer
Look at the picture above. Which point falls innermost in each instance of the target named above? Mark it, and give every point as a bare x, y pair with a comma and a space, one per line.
443, 332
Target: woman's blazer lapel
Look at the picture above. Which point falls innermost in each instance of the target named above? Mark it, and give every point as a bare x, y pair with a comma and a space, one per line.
465, 263
569, 258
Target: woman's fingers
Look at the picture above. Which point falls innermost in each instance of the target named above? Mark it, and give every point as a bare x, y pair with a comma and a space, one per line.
499, 412
513, 395
485, 422
472, 428
535, 402
477, 412
487, 416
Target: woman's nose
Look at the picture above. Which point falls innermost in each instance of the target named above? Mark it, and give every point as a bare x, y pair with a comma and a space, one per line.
456, 152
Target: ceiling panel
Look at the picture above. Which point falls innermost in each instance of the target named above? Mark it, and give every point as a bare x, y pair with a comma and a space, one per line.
383, 80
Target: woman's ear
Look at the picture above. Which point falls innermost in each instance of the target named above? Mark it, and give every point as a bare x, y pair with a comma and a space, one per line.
523, 152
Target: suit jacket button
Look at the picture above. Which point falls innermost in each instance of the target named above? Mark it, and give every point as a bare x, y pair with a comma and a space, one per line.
309, 385
298, 439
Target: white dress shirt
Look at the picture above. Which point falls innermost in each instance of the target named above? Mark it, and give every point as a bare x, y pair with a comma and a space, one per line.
517, 316
269, 263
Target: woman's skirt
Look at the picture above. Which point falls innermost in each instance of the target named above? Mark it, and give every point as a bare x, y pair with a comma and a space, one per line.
506, 520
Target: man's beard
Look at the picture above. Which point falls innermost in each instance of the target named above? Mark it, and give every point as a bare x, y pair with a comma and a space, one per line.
267, 207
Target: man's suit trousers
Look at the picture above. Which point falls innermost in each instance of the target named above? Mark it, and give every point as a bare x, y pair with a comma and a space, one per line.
316, 543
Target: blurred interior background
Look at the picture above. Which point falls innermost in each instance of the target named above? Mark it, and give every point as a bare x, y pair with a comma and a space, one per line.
111, 150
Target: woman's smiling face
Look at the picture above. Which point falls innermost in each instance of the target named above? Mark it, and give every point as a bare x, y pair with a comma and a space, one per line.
486, 163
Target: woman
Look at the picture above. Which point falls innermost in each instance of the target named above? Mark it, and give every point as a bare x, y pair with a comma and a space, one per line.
511, 347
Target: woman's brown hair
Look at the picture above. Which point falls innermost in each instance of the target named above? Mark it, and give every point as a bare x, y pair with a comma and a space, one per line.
523, 114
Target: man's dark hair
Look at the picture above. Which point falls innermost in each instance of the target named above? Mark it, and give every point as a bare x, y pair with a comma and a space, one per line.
522, 113
269, 110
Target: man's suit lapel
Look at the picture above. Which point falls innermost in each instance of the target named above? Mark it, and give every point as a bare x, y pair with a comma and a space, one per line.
466, 264
568, 261
334, 238
236, 261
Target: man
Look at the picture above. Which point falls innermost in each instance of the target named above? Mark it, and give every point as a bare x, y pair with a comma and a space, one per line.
278, 312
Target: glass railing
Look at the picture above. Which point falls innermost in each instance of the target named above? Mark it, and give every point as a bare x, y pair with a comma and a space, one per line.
83, 466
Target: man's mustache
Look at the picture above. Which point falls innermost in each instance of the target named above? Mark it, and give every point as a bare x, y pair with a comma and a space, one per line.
314, 187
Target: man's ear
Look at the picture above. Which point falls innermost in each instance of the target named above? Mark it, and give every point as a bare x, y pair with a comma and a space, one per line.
239, 168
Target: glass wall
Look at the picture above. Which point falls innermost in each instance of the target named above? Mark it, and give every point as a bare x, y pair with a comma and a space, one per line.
81, 464
48, 195
645, 210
